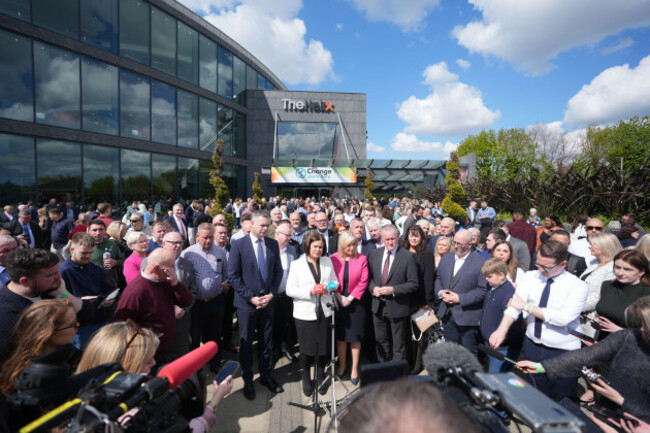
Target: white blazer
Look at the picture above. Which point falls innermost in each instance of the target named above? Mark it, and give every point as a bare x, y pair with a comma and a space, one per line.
300, 283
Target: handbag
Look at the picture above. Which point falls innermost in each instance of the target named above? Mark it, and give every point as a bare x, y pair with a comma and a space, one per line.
424, 318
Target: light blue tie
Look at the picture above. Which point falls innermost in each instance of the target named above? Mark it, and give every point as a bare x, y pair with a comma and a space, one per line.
261, 262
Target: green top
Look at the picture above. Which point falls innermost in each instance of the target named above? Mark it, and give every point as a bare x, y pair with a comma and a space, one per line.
116, 254
615, 297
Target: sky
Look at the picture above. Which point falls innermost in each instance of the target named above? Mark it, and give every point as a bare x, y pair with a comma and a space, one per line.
435, 71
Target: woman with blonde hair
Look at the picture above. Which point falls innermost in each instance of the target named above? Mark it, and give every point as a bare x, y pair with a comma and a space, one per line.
603, 246
643, 246
116, 231
443, 246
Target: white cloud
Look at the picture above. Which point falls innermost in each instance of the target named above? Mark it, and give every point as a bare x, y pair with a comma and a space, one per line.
620, 45
617, 93
408, 15
452, 108
339, 26
375, 148
271, 31
464, 64
531, 33
403, 142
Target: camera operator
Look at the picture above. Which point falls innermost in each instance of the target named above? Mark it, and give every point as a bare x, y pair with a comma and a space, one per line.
628, 350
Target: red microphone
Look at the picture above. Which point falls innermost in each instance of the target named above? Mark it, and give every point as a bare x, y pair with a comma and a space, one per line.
178, 371
319, 289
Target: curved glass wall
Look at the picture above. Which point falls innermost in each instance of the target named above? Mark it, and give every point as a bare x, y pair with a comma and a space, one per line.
134, 30
163, 41
99, 104
99, 24
134, 105
16, 91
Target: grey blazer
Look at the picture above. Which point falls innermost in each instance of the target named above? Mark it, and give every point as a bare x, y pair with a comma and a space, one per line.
521, 252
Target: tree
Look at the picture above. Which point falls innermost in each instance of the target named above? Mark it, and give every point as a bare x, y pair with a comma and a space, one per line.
221, 191
258, 192
370, 186
455, 191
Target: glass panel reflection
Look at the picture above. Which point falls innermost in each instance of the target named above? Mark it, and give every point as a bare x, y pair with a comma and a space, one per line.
16, 92
306, 140
188, 119
207, 125
136, 175
239, 147
206, 190
61, 16
134, 109
208, 78
59, 170
163, 41
251, 78
99, 101
134, 30
224, 131
17, 177
163, 113
16, 8
225, 73
56, 74
188, 177
163, 168
188, 54
238, 80
99, 24
101, 174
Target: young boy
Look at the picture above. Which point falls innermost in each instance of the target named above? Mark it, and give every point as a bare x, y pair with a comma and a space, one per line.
496, 302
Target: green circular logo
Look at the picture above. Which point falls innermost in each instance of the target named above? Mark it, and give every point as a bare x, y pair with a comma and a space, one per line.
301, 173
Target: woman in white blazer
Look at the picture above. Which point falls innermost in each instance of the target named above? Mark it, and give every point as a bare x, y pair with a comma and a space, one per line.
305, 273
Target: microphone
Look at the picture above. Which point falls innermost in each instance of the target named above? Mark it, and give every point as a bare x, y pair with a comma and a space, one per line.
331, 287
318, 290
488, 350
178, 371
441, 357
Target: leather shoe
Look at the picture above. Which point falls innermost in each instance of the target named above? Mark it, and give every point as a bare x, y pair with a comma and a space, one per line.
290, 356
249, 390
271, 384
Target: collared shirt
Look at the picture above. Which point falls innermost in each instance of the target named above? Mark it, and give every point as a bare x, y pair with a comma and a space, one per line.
458, 262
28, 229
297, 236
581, 248
209, 268
181, 227
565, 303
391, 260
254, 241
286, 260
488, 212
85, 280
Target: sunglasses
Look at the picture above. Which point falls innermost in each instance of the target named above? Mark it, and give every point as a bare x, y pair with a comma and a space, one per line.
136, 331
597, 228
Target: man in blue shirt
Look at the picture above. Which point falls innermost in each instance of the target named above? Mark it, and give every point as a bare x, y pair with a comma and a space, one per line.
486, 212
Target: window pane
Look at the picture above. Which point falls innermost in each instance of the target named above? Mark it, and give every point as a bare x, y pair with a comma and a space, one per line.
188, 177
61, 16
101, 173
235, 177
136, 175
57, 86
17, 177
224, 131
208, 79
239, 146
239, 80
134, 30
207, 124
188, 119
134, 109
16, 8
251, 78
164, 176
188, 54
59, 170
303, 140
16, 92
99, 101
206, 190
261, 82
163, 42
99, 24
163, 113
225, 73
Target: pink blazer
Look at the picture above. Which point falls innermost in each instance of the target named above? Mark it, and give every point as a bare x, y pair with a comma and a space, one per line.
357, 275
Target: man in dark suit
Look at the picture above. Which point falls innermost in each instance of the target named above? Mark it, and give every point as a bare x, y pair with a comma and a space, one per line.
462, 288
447, 226
25, 227
321, 226
8, 215
255, 273
364, 246
392, 277
178, 223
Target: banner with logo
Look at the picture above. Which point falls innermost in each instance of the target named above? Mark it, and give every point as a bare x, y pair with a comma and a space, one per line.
313, 175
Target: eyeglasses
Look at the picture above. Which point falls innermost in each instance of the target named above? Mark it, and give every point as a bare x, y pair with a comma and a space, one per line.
458, 244
74, 324
173, 242
137, 331
547, 268
597, 228
135, 221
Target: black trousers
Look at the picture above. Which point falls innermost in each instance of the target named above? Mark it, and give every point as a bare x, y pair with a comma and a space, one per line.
207, 321
283, 323
229, 310
556, 389
390, 332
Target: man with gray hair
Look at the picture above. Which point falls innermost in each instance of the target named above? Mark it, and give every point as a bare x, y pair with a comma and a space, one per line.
209, 262
276, 217
447, 226
392, 277
25, 229
374, 231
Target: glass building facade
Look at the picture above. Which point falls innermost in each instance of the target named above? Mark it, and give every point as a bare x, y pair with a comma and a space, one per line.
118, 100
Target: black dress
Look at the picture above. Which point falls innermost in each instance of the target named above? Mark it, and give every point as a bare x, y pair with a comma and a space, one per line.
310, 331
350, 321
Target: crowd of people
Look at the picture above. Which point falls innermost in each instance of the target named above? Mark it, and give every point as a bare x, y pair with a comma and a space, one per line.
183, 276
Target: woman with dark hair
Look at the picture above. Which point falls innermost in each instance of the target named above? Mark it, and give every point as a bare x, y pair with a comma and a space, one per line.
628, 235
544, 232
311, 269
415, 242
503, 250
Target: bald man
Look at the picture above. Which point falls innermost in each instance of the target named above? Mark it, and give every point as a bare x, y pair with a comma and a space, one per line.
581, 247
150, 298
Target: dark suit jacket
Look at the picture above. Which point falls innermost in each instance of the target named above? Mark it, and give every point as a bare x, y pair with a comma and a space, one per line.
244, 274
426, 272
172, 221
17, 229
4, 219
576, 265
367, 247
403, 277
470, 285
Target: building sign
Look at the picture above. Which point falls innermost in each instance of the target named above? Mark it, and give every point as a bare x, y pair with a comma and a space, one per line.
313, 175
307, 106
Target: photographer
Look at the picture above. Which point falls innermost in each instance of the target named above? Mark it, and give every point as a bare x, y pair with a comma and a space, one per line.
629, 353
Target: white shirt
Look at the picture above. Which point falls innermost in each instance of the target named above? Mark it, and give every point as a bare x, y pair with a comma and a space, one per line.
581, 248
391, 260
286, 260
565, 303
595, 277
458, 262
254, 241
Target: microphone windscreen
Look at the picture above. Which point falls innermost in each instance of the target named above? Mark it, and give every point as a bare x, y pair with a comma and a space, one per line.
331, 286
319, 289
440, 356
488, 350
176, 372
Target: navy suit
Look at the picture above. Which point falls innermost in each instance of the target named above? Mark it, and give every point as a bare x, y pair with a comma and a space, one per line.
171, 220
461, 321
247, 282
367, 247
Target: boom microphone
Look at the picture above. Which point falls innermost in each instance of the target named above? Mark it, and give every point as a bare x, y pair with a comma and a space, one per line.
331, 287
488, 350
440, 357
178, 371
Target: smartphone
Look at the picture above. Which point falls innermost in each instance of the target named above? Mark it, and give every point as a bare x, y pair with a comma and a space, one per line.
229, 369
581, 336
112, 295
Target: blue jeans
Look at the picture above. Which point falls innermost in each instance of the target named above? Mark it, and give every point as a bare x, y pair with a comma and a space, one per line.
497, 366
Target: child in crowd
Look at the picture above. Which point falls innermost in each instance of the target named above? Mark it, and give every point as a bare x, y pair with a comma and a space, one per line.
496, 302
